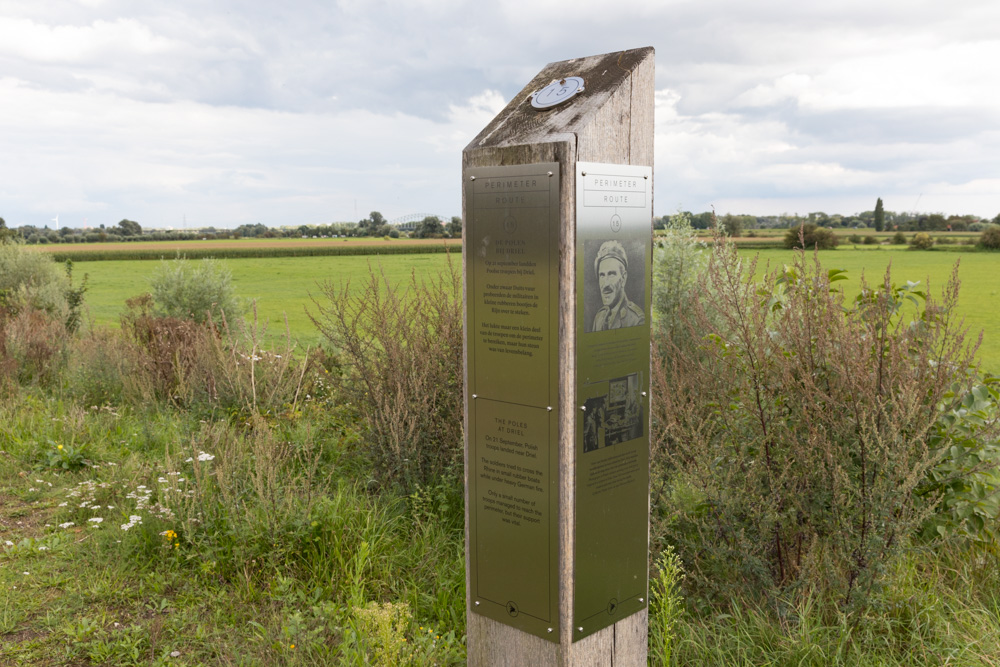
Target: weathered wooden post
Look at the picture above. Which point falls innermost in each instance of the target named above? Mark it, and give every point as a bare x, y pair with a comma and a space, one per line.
557, 253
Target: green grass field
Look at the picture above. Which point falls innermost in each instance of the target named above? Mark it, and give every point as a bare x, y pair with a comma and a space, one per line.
282, 286
978, 272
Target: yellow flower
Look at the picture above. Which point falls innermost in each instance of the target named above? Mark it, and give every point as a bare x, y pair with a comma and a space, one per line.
291, 646
60, 446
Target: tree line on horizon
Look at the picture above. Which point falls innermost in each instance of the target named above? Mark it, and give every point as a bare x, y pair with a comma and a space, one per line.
877, 219
375, 225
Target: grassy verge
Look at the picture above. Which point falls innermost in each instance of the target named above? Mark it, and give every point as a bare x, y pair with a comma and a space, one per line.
223, 567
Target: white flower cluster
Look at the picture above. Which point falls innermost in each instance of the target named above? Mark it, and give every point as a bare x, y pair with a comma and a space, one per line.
141, 497
133, 520
202, 456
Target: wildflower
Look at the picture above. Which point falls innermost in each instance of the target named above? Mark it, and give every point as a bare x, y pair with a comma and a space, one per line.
27, 574
8, 543
67, 524
95, 519
175, 654
60, 447
63, 504
32, 490
43, 548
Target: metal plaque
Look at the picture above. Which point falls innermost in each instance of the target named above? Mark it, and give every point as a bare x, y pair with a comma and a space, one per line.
613, 278
557, 92
512, 284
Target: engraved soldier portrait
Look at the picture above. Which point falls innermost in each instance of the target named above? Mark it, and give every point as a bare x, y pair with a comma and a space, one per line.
611, 272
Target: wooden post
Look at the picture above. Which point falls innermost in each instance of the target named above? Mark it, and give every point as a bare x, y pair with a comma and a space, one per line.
556, 517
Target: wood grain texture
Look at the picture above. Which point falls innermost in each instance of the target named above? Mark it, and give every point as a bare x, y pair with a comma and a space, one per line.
611, 122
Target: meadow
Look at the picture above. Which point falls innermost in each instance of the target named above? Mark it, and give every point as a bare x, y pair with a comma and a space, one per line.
283, 286
170, 497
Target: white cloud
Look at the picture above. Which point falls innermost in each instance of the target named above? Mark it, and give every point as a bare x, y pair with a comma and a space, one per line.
256, 111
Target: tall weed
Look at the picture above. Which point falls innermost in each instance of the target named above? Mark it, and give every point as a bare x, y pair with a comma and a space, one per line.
402, 346
790, 443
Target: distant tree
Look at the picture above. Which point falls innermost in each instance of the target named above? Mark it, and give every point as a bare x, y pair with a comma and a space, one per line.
454, 227
251, 231
7, 235
879, 216
429, 228
996, 220
376, 220
731, 225
129, 228
701, 220
810, 236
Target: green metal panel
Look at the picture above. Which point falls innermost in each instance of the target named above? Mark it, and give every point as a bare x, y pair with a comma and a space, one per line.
613, 277
512, 308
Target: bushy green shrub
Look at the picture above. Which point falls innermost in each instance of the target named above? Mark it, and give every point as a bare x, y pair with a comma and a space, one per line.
870, 240
31, 279
990, 238
810, 236
854, 238
788, 449
197, 291
967, 478
921, 241
678, 261
899, 238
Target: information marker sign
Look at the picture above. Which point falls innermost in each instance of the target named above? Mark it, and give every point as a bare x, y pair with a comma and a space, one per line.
557, 205
511, 320
613, 273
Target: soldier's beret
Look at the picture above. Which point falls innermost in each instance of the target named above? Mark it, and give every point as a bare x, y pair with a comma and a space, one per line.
611, 249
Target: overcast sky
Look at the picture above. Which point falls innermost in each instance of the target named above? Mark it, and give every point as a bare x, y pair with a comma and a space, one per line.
308, 111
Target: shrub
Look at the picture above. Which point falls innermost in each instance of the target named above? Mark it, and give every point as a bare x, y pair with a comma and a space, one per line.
32, 280
679, 259
788, 449
990, 238
854, 238
403, 352
921, 241
197, 291
899, 238
810, 236
870, 240
967, 479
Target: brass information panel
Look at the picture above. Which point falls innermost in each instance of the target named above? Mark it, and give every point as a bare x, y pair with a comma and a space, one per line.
613, 280
512, 282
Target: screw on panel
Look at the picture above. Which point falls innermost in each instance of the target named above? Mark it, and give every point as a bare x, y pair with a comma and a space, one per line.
550, 174
643, 393
477, 603
550, 629
473, 177
583, 407
550, 408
